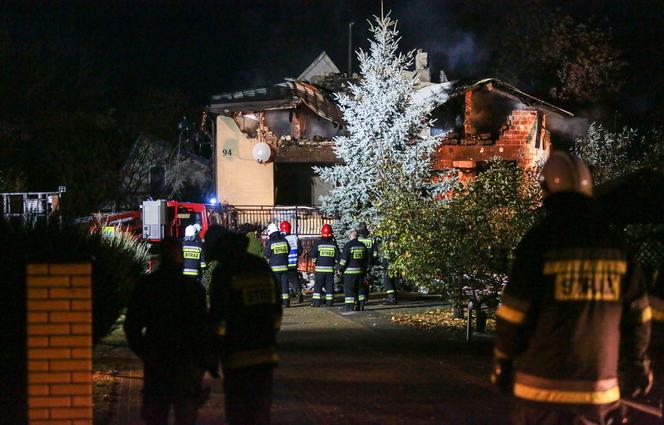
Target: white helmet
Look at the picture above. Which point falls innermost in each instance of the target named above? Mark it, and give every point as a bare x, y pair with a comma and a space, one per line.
189, 231
564, 172
197, 227
271, 228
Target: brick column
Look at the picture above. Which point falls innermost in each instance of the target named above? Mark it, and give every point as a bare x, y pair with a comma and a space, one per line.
59, 334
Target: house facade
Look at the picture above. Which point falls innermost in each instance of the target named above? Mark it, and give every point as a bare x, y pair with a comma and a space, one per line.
298, 120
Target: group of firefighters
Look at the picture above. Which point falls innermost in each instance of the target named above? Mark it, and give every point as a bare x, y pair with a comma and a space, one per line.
575, 304
353, 262
282, 250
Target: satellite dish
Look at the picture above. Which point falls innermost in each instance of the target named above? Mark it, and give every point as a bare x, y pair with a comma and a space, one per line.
261, 152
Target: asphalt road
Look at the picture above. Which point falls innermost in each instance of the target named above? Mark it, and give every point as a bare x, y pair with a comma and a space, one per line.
354, 369
364, 369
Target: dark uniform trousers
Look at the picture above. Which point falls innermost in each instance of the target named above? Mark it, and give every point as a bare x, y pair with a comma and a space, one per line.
248, 393
324, 280
354, 289
284, 282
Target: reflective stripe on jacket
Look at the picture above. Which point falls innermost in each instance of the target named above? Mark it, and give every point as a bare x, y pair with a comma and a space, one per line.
276, 251
354, 258
194, 257
325, 254
294, 251
572, 289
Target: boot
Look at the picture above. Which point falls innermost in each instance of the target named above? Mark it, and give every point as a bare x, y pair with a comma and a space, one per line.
391, 300
361, 305
315, 303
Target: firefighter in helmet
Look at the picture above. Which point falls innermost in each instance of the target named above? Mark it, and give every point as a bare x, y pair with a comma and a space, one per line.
574, 296
353, 266
192, 251
276, 252
325, 254
295, 249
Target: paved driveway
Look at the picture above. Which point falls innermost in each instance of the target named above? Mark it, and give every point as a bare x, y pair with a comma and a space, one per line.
358, 369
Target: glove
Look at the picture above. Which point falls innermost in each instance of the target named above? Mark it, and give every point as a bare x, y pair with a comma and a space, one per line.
503, 375
638, 380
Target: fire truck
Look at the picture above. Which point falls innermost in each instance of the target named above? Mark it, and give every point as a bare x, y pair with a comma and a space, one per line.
156, 220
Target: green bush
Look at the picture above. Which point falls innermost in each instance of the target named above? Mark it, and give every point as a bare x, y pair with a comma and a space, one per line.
466, 241
118, 262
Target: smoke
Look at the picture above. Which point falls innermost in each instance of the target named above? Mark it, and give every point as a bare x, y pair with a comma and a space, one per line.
490, 111
566, 130
451, 48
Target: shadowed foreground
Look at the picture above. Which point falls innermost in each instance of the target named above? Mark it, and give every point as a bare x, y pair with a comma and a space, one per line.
356, 369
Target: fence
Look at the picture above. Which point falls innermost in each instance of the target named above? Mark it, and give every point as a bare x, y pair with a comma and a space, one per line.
305, 221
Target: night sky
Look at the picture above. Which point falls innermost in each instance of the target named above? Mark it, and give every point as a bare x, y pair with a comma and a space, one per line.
206, 47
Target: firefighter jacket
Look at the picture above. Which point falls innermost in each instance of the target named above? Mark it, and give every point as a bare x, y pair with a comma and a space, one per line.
295, 249
372, 247
276, 251
354, 258
166, 326
325, 254
246, 312
571, 289
194, 257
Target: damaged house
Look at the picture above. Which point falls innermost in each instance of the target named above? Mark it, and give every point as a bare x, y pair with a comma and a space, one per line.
268, 139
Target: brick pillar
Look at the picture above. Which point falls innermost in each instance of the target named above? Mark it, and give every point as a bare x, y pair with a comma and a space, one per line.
59, 334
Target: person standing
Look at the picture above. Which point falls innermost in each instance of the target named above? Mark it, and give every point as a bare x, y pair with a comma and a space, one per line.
276, 251
166, 327
325, 254
572, 289
295, 249
372, 250
353, 266
390, 284
192, 251
246, 312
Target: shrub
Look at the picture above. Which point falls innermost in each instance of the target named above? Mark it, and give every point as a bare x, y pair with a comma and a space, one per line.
466, 242
118, 262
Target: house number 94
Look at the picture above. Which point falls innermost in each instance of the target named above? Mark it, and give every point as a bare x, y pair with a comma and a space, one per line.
227, 152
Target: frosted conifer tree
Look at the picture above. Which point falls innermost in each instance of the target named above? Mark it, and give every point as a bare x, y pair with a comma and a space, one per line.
386, 147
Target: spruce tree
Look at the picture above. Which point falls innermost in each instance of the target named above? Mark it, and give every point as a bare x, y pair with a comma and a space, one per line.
387, 146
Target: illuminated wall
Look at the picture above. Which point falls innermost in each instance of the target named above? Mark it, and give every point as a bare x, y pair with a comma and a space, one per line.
240, 179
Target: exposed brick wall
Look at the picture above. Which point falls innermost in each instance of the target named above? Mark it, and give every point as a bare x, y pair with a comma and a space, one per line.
524, 140
59, 339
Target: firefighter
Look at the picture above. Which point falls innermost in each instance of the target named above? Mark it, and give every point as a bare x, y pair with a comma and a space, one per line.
372, 249
166, 326
245, 309
391, 285
276, 251
295, 249
353, 266
194, 257
572, 289
325, 254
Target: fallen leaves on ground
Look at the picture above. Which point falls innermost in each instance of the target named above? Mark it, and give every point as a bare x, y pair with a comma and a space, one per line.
438, 320
105, 394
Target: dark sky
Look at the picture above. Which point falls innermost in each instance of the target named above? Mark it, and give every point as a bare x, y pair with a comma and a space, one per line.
206, 47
